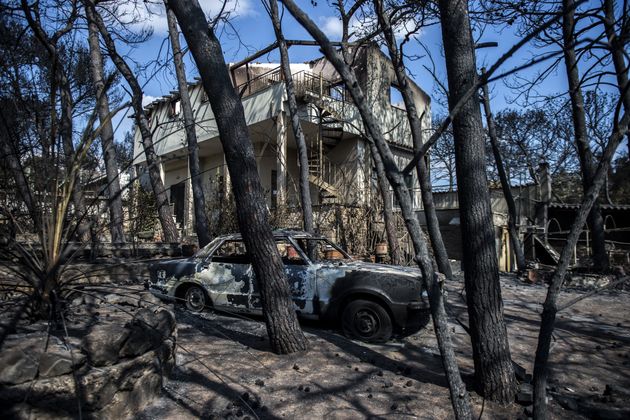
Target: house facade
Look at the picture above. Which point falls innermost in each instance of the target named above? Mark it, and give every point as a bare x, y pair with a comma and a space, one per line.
340, 167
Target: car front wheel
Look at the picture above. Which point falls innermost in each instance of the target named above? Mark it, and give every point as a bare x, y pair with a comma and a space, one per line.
195, 299
367, 321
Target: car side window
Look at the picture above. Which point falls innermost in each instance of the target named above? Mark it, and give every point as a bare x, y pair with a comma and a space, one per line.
290, 255
231, 252
319, 250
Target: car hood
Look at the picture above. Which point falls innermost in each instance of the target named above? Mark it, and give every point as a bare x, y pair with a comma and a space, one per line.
381, 268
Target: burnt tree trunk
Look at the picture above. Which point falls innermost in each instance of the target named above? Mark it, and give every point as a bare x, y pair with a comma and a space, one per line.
298, 133
114, 196
415, 124
617, 52
459, 395
595, 219
284, 331
505, 183
494, 373
199, 200
12, 158
388, 209
82, 229
550, 307
165, 215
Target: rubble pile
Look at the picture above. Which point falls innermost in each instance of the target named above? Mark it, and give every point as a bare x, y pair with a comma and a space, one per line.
111, 362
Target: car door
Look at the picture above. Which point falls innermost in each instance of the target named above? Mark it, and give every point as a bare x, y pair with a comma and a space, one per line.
225, 275
300, 275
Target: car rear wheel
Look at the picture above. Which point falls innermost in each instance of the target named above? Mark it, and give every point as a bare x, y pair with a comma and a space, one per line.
195, 299
367, 321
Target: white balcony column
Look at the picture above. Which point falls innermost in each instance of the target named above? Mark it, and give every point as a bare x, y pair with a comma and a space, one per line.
162, 172
188, 204
362, 180
281, 160
226, 180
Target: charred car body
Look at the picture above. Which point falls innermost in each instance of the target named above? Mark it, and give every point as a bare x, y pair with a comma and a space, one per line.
372, 301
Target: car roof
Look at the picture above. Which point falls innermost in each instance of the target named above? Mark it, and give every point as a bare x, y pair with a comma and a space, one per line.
278, 233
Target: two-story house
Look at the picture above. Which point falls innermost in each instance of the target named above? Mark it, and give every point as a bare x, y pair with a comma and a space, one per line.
340, 167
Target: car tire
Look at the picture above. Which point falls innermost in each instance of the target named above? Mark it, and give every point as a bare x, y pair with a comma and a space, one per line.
367, 321
195, 299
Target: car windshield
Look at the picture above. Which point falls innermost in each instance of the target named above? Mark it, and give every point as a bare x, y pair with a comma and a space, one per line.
321, 250
205, 251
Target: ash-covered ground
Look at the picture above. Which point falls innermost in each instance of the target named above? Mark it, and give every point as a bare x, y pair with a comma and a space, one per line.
226, 370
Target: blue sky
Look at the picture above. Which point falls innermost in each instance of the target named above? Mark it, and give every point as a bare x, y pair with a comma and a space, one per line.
250, 21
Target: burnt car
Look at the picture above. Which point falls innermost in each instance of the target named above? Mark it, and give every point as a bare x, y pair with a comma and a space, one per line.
371, 301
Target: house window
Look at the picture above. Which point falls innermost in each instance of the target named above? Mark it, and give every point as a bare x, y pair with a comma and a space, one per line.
338, 91
175, 106
274, 189
409, 185
395, 97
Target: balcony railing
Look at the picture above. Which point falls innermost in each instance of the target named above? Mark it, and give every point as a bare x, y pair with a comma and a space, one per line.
304, 82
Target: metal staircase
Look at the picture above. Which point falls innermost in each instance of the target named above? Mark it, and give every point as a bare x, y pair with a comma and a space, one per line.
314, 90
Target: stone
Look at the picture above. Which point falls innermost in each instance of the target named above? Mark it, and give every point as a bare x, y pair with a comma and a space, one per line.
56, 362
114, 299
148, 300
519, 371
259, 382
147, 331
17, 365
103, 343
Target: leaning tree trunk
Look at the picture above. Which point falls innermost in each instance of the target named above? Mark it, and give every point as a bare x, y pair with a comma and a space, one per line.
114, 196
459, 395
505, 183
298, 133
388, 209
83, 230
617, 48
415, 123
550, 307
14, 167
494, 373
165, 215
595, 219
284, 331
199, 200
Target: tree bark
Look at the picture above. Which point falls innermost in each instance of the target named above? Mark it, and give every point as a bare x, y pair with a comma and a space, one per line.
505, 183
494, 373
284, 331
17, 171
550, 307
199, 201
388, 210
107, 135
459, 395
617, 52
298, 133
415, 124
595, 220
83, 230
165, 215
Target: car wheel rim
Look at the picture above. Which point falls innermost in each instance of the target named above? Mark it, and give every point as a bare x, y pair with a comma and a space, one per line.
366, 323
196, 300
